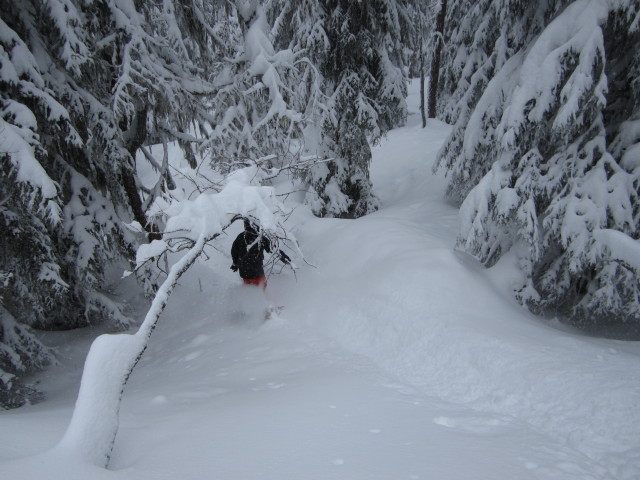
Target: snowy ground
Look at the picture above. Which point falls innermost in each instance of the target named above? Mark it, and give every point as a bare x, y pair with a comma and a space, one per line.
395, 358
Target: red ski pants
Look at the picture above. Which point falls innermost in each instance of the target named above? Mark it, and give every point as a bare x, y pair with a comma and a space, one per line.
256, 281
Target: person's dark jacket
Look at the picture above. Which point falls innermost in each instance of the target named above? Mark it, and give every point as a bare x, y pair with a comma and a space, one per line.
247, 253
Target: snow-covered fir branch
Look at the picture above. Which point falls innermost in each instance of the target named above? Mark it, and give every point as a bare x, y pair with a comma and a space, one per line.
535, 151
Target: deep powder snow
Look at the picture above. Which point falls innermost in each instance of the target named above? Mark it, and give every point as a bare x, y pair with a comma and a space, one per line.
394, 358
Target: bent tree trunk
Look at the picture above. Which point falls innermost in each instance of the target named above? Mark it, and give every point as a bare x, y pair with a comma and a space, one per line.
92, 431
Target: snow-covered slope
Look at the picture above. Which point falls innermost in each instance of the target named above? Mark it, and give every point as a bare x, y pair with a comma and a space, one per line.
394, 358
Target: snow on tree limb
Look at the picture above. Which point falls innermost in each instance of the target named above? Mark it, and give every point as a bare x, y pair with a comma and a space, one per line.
92, 431
191, 225
82, 86
530, 156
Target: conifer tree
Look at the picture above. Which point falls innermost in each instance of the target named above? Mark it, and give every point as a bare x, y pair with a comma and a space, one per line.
257, 109
357, 51
83, 85
479, 38
545, 158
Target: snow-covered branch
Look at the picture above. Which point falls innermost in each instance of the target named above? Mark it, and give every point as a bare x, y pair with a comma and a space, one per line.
92, 431
191, 224
532, 158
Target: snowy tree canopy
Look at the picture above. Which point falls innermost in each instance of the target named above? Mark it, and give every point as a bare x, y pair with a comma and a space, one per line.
356, 91
83, 86
543, 153
479, 38
257, 109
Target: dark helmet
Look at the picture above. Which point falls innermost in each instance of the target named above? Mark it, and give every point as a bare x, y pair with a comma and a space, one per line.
250, 227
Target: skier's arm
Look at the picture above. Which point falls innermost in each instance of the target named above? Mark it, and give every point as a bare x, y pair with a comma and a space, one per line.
236, 250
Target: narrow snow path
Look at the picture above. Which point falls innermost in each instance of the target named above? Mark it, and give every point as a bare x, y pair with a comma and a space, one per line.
392, 289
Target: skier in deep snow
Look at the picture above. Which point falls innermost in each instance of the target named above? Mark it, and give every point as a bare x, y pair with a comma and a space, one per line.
247, 253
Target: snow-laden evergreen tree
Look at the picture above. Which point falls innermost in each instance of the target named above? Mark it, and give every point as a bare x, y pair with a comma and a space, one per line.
544, 154
257, 110
357, 50
366, 91
82, 84
416, 25
479, 37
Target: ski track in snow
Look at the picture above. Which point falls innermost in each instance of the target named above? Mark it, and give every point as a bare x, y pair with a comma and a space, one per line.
433, 318
395, 358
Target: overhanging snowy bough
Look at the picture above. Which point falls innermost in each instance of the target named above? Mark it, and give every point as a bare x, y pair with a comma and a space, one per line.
191, 225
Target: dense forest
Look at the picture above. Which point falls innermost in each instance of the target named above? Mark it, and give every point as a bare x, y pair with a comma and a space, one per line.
544, 157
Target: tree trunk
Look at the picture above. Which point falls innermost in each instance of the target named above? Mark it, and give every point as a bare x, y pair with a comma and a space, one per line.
130, 186
435, 64
134, 138
422, 105
92, 431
